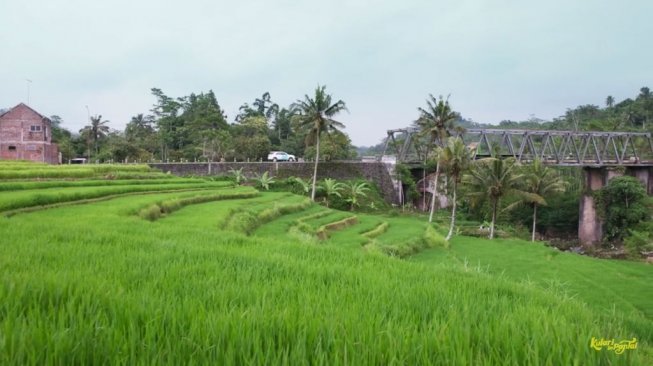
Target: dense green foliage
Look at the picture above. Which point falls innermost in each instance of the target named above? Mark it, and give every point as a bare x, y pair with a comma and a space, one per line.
195, 127
622, 204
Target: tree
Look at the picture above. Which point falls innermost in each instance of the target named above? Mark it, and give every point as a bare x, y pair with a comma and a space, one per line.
490, 179
354, 192
97, 130
166, 111
314, 115
622, 201
331, 188
455, 159
540, 182
251, 138
609, 101
263, 107
435, 121
337, 146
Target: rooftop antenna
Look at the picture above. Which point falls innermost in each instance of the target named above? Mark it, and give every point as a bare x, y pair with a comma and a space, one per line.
29, 82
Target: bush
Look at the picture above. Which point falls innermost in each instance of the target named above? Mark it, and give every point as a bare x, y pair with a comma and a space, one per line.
151, 213
434, 239
622, 204
638, 242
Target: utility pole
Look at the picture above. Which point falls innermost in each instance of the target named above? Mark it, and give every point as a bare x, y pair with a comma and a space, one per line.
88, 140
29, 82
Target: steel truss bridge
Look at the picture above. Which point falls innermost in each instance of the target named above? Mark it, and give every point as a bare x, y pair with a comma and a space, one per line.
563, 148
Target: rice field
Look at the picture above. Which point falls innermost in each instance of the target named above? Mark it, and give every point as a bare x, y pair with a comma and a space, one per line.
207, 273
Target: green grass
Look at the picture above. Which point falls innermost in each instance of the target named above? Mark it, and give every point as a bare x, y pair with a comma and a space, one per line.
609, 286
128, 298
41, 197
24, 185
96, 284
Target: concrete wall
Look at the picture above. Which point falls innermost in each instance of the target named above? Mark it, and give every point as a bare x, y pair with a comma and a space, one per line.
643, 174
377, 172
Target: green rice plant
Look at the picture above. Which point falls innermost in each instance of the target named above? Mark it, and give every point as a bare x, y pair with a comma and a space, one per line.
151, 213
44, 197
95, 284
434, 239
247, 220
23, 185
323, 231
380, 229
157, 210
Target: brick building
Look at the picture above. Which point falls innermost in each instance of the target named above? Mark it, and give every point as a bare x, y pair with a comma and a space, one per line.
25, 134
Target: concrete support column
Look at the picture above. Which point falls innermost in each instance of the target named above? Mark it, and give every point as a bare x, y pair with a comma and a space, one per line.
643, 174
590, 228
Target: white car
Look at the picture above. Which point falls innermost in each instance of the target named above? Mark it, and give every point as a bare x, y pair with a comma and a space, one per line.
281, 156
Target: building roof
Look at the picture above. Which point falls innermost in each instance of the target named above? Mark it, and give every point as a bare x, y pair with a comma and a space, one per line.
26, 106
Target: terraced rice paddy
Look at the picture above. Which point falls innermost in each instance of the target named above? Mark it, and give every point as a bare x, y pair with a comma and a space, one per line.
188, 271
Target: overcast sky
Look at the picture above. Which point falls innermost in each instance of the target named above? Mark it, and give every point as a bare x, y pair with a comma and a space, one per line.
498, 59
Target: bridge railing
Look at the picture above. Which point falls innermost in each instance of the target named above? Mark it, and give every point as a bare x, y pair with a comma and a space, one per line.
565, 148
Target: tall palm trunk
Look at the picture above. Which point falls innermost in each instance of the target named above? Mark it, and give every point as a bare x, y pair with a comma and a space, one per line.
435, 190
494, 218
453, 210
534, 221
317, 158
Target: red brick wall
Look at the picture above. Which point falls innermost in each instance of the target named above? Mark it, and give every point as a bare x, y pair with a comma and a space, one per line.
26, 135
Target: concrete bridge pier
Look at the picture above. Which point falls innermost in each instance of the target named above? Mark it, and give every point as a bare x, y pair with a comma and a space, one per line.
642, 173
590, 226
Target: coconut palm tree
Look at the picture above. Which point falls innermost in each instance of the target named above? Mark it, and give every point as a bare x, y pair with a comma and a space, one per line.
315, 115
97, 130
491, 179
331, 187
435, 121
540, 182
455, 159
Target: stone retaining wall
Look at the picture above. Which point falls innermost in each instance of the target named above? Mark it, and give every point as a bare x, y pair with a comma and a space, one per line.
377, 172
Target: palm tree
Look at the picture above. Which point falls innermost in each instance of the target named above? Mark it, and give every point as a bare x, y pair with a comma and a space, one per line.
96, 130
356, 190
331, 188
455, 159
491, 179
435, 121
315, 115
609, 101
541, 181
